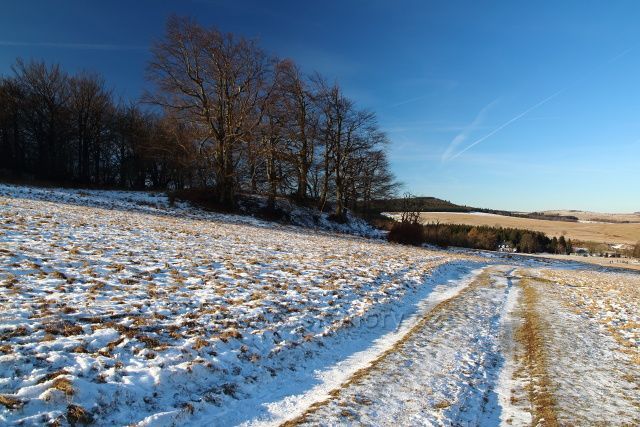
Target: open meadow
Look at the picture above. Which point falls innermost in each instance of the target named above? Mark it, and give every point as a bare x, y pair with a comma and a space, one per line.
597, 216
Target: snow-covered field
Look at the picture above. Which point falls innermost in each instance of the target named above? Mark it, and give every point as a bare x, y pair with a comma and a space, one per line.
116, 303
117, 308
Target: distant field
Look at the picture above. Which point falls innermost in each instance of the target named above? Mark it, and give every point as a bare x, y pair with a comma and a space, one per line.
628, 233
597, 216
629, 264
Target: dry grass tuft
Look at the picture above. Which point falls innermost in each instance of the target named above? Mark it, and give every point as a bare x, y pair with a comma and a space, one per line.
64, 385
52, 375
19, 331
63, 328
78, 415
10, 402
227, 334
443, 404
118, 267
200, 343
10, 281
58, 275
148, 341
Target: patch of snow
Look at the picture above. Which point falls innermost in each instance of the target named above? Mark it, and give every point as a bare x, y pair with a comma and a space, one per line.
509, 387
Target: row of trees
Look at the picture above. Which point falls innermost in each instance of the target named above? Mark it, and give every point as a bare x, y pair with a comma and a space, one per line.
477, 237
70, 129
489, 238
221, 114
261, 124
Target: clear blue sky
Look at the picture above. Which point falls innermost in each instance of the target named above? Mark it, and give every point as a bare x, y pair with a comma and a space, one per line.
515, 105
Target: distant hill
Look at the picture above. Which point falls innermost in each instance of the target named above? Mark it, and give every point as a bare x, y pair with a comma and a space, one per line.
433, 204
422, 204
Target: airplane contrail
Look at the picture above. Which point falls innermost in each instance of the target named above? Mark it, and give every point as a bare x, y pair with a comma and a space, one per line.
87, 46
539, 104
464, 134
504, 125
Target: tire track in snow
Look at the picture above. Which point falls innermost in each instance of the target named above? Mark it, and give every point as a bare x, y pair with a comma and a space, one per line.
445, 283
444, 370
572, 369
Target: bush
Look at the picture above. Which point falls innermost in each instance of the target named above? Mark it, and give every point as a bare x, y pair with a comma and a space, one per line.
274, 214
408, 233
205, 198
338, 219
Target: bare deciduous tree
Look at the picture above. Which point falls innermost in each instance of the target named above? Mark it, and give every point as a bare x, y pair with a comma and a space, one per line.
224, 116
217, 81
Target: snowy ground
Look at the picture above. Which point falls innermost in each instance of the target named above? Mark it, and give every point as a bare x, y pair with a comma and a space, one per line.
443, 372
117, 308
592, 330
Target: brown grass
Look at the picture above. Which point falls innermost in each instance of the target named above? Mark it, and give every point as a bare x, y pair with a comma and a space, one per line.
78, 415
64, 385
10, 402
51, 376
200, 343
598, 216
148, 341
58, 275
63, 328
225, 335
601, 233
530, 336
19, 331
10, 281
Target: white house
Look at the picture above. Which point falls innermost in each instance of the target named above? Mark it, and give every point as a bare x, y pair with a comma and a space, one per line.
506, 247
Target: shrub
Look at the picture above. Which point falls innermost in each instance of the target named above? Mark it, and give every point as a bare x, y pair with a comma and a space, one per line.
407, 233
205, 198
636, 250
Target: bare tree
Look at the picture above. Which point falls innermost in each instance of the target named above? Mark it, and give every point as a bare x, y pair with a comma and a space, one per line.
13, 150
90, 106
334, 108
217, 81
303, 120
230, 118
410, 214
46, 91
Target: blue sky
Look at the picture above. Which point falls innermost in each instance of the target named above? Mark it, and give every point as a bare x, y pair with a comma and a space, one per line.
514, 105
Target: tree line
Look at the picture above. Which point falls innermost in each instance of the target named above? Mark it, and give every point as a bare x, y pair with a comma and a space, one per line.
70, 129
219, 114
477, 237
